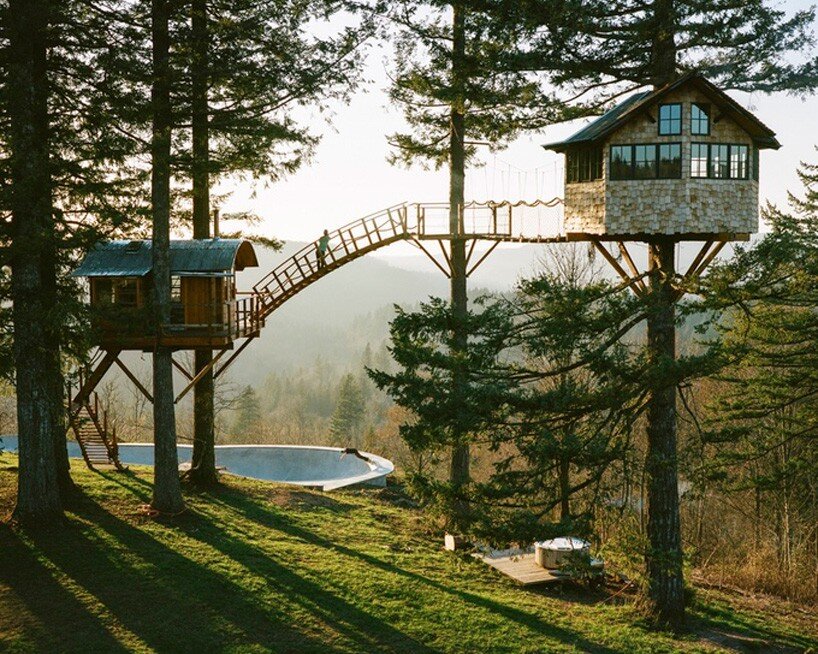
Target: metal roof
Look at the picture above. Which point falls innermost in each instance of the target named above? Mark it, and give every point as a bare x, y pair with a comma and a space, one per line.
134, 258
616, 117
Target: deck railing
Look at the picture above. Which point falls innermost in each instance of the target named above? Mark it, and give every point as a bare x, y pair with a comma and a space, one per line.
230, 319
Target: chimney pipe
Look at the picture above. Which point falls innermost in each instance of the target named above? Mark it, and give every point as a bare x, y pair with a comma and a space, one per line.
215, 223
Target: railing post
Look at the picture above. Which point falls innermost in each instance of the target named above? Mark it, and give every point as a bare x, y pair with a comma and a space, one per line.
510, 230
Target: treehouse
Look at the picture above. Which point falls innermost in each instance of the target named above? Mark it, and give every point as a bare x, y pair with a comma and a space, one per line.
681, 160
206, 310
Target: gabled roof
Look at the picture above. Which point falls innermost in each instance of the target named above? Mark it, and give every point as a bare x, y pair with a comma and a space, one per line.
636, 104
134, 258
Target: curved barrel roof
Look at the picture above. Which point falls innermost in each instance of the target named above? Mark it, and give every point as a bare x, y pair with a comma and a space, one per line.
134, 258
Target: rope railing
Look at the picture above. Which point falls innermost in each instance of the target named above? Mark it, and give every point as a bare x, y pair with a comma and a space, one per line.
492, 220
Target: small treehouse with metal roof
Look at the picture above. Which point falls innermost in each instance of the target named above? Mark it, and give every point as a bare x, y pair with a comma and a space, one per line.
679, 161
206, 309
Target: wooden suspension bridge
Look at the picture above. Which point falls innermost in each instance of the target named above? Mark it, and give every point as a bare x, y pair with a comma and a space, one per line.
419, 224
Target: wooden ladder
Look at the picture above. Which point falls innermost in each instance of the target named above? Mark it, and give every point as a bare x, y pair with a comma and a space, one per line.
97, 443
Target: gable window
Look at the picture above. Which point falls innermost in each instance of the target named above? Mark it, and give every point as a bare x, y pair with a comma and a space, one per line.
720, 160
700, 119
670, 119
584, 165
646, 161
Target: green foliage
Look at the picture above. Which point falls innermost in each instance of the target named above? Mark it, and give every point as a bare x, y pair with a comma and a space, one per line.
497, 98
596, 50
350, 412
248, 411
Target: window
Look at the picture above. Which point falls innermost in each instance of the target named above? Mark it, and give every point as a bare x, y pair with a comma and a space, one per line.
698, 160
646, 161
739, 160
584, 165
719, 161
670, 161
700, 119
621, 162
644, 157
125, 291
670, 119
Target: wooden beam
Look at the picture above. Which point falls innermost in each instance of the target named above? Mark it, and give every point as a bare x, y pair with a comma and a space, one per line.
434, 261
199, 375
135, 381
483, 258
632, 283
709, 258
698, 258
95, 377
232, 357
445, 254
471, 251
627, 257
181, 369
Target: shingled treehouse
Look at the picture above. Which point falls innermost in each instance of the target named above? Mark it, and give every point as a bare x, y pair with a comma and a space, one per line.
207, 310
681, 160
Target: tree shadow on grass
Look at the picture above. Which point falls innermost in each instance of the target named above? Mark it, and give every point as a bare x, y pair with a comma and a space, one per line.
248, 508
166, 601
725, 626
54, 611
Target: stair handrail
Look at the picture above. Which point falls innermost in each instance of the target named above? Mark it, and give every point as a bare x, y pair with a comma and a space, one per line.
304, 254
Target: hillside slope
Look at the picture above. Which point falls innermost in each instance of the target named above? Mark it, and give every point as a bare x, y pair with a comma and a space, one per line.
264, 568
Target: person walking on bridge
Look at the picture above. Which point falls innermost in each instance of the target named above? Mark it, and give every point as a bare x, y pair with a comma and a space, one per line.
323, 246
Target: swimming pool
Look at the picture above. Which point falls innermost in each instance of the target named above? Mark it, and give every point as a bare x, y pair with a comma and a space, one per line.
326, 468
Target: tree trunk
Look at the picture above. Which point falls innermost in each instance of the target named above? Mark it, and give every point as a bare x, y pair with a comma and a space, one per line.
665, 593
203, 467
167, 493
565, 489
459, 471
38, 494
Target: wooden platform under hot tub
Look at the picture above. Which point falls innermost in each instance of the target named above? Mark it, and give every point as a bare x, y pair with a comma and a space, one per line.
517, 564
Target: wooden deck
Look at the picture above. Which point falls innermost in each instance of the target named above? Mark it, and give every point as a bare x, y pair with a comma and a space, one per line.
519, 565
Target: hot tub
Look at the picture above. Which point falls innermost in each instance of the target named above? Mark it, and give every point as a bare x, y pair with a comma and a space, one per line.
326, 468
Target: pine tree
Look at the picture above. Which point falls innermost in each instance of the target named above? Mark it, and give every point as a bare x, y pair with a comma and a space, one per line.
249, 413
595, 51
349, 415
167, 494
456, 87
250, 63
33, 255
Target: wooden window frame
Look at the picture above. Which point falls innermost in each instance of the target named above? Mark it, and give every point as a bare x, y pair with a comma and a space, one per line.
659, 120
705, 109
730, 148
632, 174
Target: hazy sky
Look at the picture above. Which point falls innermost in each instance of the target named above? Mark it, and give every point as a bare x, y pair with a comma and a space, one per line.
350, 177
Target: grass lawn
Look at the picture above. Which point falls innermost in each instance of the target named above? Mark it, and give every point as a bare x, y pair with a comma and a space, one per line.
256, 567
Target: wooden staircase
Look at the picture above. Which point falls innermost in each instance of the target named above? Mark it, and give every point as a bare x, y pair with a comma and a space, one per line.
97, 443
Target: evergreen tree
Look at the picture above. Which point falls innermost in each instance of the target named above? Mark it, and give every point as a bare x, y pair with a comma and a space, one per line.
596, 51
249, 413
349, 415
167, 494
33, 282
761, 439
250, 63
457, 88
